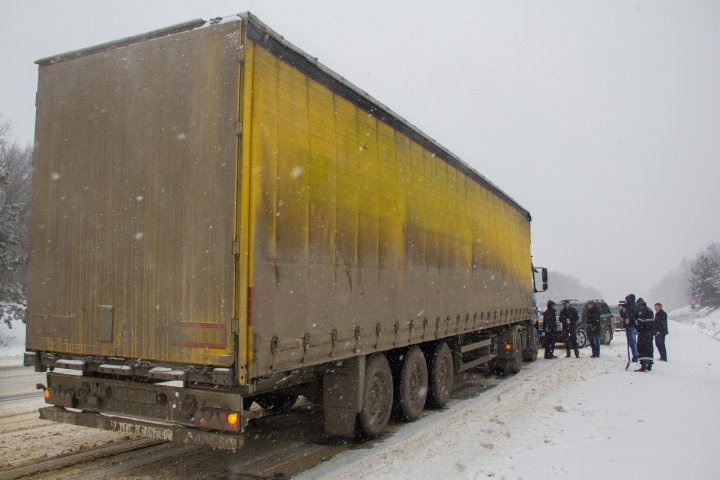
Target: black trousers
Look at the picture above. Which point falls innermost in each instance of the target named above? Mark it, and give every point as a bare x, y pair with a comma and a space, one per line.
660, 344
571, 341
645, 348
549, 344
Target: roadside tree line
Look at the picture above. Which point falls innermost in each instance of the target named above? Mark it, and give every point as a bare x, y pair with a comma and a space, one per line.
704, 278
15, 173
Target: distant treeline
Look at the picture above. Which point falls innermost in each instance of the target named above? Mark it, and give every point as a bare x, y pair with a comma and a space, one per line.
564, 286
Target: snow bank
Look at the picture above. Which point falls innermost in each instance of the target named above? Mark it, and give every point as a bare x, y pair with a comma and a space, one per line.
704, 319
12, 343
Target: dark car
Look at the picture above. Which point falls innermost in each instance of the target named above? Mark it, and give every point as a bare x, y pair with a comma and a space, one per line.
607, 325
617, 319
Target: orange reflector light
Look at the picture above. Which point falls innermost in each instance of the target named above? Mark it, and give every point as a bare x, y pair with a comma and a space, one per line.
232, 418
46, 393
508, 347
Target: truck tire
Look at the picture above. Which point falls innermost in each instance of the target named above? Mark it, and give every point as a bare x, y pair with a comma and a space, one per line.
377, 397
508, 361
411, 386
441, 375
276, 402
514, 363
531, 352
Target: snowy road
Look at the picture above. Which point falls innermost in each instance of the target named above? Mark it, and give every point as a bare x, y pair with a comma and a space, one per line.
17, 383
566, 418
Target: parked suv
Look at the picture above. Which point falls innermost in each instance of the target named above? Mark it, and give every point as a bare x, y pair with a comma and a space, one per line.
617, 319
607, 326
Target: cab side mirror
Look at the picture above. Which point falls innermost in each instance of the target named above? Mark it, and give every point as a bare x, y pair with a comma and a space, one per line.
544, 275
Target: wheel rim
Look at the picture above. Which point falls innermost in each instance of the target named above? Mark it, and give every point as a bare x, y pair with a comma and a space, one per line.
581, 338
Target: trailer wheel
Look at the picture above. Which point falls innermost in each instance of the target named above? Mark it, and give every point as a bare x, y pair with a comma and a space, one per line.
276, 402
441, 375
411, 386
377, 397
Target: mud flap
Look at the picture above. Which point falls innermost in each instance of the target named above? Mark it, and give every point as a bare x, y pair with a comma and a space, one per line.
342, 396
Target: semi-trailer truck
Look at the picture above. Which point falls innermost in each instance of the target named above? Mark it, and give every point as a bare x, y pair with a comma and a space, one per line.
219, 219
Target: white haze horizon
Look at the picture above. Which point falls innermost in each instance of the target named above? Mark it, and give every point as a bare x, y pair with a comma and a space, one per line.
602, 118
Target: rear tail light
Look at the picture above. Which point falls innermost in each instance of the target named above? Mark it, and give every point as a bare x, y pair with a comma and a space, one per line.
233, 419
46, 390
217, 419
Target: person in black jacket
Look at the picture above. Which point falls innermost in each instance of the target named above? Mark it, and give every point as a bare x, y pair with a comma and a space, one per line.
569, 318
646, 332
661, 329
629, 315
550, 329
592, 318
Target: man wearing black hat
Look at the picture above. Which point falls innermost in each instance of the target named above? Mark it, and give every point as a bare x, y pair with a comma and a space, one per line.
569, 318
646, 333
550, 329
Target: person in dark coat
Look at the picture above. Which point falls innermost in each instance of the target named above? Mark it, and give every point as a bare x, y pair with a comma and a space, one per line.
646, 332
661, 329
550, 329
629, 315
592, 319
569, 318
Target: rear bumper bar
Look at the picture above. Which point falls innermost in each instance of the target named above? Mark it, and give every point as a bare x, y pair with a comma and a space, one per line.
165, 412
129, 426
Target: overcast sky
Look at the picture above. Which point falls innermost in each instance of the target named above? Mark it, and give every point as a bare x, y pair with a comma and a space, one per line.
602, 118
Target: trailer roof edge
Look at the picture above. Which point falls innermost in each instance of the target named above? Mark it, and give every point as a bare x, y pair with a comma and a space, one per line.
104, 47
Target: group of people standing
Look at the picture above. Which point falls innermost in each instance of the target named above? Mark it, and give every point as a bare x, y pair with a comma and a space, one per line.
641, 325
568, 318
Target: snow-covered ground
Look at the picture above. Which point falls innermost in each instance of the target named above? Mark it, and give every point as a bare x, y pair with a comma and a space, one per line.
12, 342
704, 319
568, 418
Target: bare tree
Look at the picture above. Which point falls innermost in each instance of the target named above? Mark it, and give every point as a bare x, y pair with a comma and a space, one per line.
15, 173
